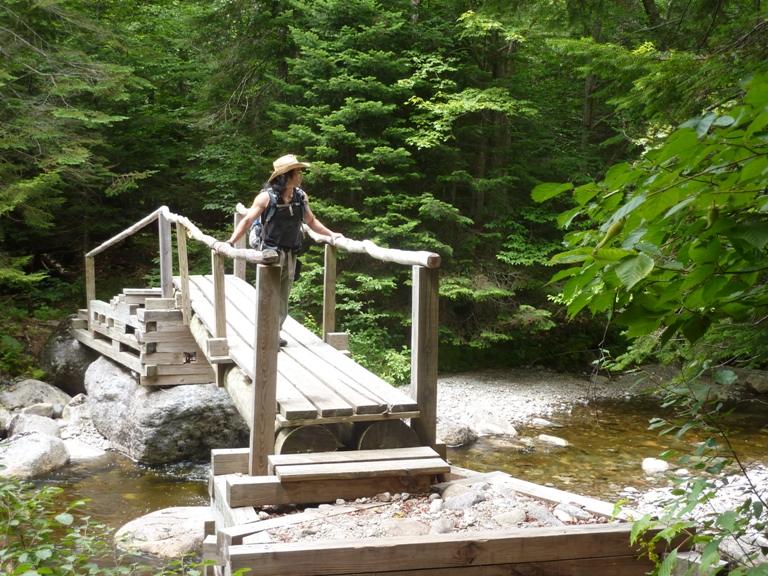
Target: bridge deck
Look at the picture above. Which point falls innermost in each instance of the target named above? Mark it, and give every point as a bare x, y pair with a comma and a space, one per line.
315, 383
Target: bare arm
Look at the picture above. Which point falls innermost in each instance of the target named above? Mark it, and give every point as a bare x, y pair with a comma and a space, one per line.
260, 204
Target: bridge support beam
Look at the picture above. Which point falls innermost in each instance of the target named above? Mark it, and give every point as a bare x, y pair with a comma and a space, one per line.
424, 340
265, 351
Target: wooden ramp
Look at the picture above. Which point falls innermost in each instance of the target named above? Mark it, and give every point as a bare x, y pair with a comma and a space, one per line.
316, 384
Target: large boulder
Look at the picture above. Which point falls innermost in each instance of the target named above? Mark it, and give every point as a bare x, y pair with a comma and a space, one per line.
29, 392
65, 360
156, 425
170, 533
31, 454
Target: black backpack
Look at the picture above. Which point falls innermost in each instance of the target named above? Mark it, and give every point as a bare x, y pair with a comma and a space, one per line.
256, 231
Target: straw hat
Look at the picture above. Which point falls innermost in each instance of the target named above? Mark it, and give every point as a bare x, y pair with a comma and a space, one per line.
286, 164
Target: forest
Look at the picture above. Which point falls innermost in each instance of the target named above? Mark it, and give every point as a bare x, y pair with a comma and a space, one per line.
428, 124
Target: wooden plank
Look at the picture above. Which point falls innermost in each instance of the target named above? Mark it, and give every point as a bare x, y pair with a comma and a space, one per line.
185, 369
153, 292
555, 496
265, 350
239, 266
239, 534
519, 546
181, 246
629, 565
166, 255
219, 297
424, 344
329, 291
355, 470
269, 491
100, 307
160, 304
339, 340
176, 379
367, 381
105, 347
145, 315
283, 422
90, 286
353, 456
326, 400
211, 550
229, 461
224, 514
323, 368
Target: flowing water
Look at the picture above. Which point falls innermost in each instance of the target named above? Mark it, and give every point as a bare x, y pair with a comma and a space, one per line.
608, 442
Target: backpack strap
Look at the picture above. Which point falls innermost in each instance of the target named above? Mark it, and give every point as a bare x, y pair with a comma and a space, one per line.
270, 211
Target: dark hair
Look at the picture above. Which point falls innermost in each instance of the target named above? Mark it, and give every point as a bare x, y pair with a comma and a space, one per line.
278, 182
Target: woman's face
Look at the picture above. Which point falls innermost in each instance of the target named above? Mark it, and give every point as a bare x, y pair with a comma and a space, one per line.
295, 178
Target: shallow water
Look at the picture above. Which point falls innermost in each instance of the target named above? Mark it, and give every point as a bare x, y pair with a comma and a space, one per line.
608, 442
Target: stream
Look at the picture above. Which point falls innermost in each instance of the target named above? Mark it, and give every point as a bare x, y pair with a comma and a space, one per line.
608, 442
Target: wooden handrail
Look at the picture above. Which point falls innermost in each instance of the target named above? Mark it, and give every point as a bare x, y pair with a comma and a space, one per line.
405, 257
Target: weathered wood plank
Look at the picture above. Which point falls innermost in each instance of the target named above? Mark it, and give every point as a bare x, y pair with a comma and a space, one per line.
229, 461
353, 456
176, 379
104, 347
629, 565
181, 247
269, 491
224, 514
424, 343
327, 401
265, 351
329, 291
355, 470
282, 422
369, 383
520, 546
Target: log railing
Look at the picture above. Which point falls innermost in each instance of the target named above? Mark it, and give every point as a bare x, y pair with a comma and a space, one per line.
423, 336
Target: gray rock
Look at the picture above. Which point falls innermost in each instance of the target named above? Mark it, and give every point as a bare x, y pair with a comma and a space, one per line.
80, 451
443, 525
65, 360
23, 423
544, 516
32, 454
455, 433
161, 425
5, 421
511, 519
11, 401
436, 506
44, 409
573, 511
31, 392
757, 381
551, 440
402, 527
58, 410
543, 423
454, 489
464, 501
169, 533
655, 466
487, 423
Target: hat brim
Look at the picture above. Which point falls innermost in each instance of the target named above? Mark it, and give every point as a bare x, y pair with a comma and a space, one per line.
288, 168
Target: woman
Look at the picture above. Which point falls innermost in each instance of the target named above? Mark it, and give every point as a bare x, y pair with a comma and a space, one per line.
286, 206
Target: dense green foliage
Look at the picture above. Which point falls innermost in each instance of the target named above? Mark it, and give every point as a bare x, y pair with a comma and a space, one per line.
37, 538
427, 124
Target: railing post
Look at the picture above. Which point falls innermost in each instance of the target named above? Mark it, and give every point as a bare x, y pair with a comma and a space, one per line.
265, 351
240, 264
181, 246
90, 287
166, 256
219, 308
329, 292
424, 340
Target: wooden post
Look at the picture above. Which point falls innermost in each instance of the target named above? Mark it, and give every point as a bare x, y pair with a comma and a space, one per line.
219, 308
265, 351
90, 287
240, 264
166, 256
329, 292
181, 246
426, 283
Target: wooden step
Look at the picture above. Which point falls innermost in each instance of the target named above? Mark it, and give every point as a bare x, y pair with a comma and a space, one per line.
357, 464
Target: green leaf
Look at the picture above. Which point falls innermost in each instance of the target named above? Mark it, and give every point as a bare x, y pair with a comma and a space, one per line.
695, 327
756, 233
726, 377
633, 269
65, 518
665, 569
549, 190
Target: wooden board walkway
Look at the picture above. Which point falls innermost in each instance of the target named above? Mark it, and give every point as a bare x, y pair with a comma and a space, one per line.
316, 384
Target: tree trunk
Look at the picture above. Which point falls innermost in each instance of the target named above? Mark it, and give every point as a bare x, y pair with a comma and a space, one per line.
652, 11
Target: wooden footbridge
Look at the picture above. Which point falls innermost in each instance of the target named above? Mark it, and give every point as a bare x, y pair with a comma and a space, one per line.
322, 426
